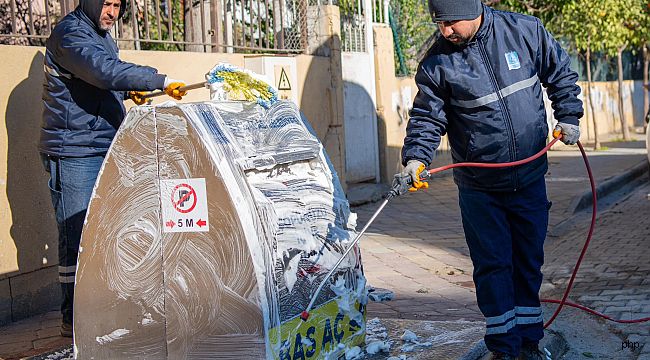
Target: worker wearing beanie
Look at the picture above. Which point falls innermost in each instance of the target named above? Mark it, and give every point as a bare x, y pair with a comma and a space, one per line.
481, 84
85, 85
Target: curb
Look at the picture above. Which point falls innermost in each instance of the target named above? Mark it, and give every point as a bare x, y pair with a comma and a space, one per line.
609, 186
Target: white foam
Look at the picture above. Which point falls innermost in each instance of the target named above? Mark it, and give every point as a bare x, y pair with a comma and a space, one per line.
114, 335
353, 353
378, 346
409, 336
291, 272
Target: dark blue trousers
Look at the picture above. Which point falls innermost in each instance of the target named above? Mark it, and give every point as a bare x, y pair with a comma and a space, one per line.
71, 185
505, 233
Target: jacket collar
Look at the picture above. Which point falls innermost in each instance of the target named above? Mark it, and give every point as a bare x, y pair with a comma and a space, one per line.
486, 25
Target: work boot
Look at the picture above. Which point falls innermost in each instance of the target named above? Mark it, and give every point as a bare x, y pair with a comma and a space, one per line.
501, 356
531, 352
66, 329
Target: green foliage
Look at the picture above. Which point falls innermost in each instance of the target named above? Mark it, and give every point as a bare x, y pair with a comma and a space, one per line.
583, 23
347, 7
400, 62
154, 33
638, 21
414, 28
545, 10
603, 25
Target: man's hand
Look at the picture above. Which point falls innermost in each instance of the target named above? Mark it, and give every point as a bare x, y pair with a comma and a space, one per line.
138, 97
570, 133
172, 88
414, 168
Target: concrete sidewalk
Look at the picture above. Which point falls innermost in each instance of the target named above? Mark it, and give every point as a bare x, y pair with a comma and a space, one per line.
30, 337
416, 248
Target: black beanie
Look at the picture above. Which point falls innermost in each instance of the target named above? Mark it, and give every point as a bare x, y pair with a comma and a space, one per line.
452, 10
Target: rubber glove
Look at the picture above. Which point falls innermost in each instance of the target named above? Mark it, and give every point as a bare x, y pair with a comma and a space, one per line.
414, 168
138, 97
172, 88
570, 133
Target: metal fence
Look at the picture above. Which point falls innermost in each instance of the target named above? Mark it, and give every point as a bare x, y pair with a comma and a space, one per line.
182, 25
353, 25
380, 11
353, 22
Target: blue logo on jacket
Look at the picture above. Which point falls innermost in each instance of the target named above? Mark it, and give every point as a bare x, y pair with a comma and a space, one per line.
513, 60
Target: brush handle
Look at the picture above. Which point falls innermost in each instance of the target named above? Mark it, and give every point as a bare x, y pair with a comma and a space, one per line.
182, 88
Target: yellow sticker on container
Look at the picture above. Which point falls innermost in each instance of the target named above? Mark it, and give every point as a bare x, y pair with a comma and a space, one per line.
322, 333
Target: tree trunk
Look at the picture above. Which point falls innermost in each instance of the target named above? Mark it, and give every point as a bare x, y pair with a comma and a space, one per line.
646, 92
589, 100
621, 110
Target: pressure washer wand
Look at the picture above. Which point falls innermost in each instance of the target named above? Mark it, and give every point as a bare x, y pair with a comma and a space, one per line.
305, 314
401, 184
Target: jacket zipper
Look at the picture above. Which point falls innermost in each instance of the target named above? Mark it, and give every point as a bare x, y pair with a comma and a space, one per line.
504, 109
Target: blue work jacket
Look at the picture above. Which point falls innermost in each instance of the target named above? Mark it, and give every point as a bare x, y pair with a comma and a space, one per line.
487, 96
85, 85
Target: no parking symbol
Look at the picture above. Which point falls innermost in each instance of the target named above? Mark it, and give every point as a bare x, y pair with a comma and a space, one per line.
184, 205
183, 198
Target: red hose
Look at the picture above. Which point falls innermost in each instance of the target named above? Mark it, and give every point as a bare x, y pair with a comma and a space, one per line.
581, 307
585, 246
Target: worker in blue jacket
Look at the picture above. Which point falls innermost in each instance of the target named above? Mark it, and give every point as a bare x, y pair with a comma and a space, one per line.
85, 85
481, 83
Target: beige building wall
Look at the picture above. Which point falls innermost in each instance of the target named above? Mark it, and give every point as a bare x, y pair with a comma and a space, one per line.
605, 100
28, 234
324, 40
